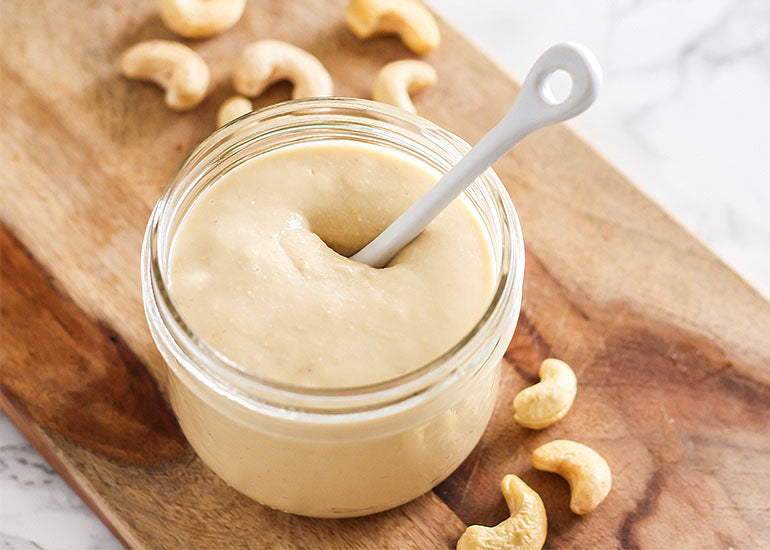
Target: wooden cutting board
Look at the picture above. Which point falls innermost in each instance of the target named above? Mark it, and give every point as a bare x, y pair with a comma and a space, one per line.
670, 346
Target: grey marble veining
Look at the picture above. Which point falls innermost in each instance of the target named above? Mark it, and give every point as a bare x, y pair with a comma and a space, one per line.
684, 111
37, 508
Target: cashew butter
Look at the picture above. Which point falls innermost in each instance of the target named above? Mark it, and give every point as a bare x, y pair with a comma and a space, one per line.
311, 383
259, 267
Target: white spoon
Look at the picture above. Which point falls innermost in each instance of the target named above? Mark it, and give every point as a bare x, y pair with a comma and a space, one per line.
534, 108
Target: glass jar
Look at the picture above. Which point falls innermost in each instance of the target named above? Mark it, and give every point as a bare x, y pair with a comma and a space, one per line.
332, 452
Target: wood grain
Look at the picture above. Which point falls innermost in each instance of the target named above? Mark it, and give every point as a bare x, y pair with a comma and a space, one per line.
669, 345
87, 384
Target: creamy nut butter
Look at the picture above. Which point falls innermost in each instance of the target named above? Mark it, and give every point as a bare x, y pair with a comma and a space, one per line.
309, 382
259, 267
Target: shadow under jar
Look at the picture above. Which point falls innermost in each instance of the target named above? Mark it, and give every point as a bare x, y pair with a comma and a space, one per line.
332, 452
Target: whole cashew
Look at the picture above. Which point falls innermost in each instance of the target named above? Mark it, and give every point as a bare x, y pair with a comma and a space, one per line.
232, 108
524, 530
408, 18
266, 61
200, 18
549, 400
173, 66
396, 80
587, 473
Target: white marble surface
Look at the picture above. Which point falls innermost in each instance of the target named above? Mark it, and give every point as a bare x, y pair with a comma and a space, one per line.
38, 510
685, 112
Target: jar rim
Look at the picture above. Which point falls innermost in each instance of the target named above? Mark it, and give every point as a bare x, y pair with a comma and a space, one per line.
166, 322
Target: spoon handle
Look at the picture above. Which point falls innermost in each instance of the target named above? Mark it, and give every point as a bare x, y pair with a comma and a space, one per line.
534, 108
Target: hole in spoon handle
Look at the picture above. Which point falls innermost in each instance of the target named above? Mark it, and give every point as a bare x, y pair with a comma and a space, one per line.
535, 107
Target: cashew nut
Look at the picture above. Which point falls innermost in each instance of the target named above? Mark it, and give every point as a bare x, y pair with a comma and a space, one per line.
408, 18
587, 473
232, 108
173, 66
200, 18
549, 400
396, 80
266, 61
524, 530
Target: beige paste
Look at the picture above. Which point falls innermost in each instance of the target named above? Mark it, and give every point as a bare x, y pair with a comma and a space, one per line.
259, 270
259, 267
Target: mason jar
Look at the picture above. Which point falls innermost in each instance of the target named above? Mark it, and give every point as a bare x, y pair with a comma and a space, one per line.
346, 451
